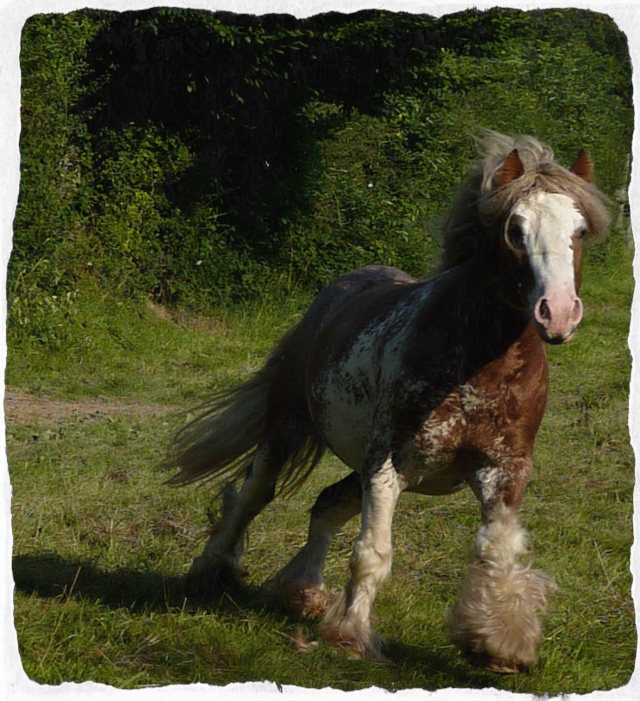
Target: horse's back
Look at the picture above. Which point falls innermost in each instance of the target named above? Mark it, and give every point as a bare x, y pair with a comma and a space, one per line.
372, 278
348, 300
317, 333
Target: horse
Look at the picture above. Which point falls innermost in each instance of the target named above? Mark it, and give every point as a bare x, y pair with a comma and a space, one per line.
419, 385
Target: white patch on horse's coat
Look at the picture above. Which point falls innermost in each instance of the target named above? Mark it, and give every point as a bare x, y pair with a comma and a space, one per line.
471, 398
491, 480
347, 421
502, 539
430, 467
353, 391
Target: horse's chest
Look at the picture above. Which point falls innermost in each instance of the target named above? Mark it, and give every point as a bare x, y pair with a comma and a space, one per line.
455, 437
466, 430
468, 417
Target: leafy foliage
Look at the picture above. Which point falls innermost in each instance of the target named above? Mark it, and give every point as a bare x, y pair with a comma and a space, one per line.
193, 157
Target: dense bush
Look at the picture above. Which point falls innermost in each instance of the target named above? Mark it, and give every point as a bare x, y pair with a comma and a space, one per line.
197, 157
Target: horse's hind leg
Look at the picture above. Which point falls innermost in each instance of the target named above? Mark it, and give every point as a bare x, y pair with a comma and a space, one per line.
219, 566
300, 584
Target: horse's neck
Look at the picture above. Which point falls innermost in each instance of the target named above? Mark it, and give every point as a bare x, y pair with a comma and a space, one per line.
489, 313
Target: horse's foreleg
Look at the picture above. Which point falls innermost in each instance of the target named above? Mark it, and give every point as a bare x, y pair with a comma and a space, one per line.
300, 584
495, 620
219, 566
348, 621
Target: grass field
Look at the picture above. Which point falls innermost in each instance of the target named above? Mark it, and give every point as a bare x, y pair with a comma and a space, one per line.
101, 544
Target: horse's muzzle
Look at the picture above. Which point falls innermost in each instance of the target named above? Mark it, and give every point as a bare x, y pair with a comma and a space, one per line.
557, 315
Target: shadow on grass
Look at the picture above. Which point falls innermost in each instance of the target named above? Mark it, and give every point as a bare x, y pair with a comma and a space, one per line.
437, 669
49, 575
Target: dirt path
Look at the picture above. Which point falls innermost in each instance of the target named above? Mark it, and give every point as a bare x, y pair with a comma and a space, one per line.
22, 408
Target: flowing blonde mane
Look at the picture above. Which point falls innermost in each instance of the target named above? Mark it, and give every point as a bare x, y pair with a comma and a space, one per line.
482, 207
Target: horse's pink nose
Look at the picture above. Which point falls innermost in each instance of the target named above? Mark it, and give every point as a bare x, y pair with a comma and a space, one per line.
557, 316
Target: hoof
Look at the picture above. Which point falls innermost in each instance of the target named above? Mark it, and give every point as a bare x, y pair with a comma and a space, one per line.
495, 622
307, 600
356, 647
205, 580
298, 598
301, 642
355, 636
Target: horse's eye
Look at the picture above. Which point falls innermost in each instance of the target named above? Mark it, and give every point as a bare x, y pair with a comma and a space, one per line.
515, 236
581, 232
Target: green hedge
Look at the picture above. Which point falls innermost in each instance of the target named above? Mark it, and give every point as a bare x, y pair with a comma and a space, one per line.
200, 158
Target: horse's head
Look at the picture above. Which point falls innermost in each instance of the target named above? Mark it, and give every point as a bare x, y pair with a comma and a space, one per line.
545, 229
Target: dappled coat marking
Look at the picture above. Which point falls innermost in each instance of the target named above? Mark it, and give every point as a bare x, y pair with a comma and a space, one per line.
423, 385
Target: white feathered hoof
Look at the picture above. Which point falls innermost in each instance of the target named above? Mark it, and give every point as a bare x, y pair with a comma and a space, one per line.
350, 633
495, 621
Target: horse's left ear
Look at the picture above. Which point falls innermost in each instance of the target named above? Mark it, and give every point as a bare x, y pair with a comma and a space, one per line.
583, 167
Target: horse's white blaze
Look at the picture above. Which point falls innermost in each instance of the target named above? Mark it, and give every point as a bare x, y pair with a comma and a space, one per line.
550, 222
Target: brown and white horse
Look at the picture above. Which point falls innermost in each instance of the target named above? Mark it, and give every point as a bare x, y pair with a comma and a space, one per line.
419, 385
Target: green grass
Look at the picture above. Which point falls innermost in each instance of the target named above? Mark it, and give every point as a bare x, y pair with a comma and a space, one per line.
122, 349
100, 542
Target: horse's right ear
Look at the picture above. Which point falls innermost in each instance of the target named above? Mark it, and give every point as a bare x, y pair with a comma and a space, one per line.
583, 167
510, 170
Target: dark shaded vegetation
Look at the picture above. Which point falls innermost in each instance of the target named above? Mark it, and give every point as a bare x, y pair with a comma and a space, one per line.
194, 158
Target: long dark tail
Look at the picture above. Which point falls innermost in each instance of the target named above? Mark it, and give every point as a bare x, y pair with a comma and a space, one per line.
221, 441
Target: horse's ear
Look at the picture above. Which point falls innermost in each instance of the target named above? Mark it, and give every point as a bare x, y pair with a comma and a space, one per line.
583, 167
511, 169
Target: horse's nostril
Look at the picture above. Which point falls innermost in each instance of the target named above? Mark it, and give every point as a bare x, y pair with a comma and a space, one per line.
558, 316
544, 312
577, 311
